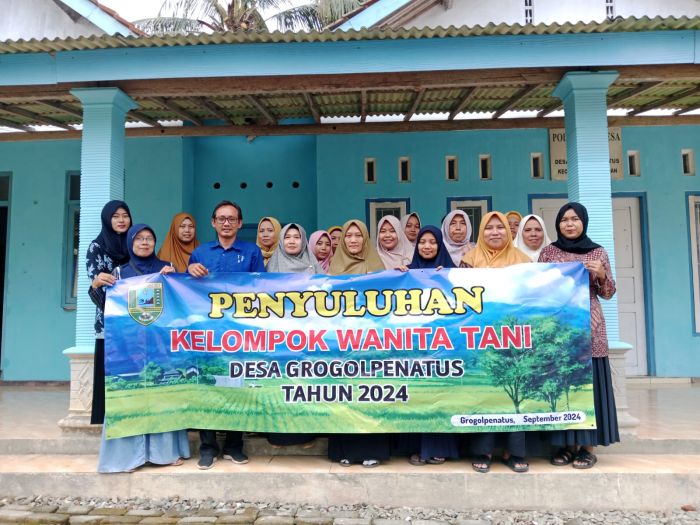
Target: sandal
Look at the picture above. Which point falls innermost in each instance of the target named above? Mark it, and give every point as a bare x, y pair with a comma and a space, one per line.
435, 461
482, 460
370, 463
562, 457
516, 464
584, 459
345, 462
414, 459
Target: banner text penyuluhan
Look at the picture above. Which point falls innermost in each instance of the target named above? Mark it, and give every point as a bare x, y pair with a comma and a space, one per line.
458, 350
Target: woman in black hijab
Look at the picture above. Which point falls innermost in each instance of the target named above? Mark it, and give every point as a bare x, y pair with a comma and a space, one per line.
573, 245
105, 253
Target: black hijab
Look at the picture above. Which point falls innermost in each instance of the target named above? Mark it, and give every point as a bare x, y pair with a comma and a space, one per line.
113, 243
140, 265
582, 244
442, 258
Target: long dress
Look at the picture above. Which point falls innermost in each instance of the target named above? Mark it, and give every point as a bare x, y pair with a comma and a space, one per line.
607, 431
163, 448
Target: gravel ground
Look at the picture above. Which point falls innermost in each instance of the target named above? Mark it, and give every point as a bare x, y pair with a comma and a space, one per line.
355, 514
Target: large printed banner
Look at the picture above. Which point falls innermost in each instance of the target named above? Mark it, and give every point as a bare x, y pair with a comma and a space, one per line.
458, 350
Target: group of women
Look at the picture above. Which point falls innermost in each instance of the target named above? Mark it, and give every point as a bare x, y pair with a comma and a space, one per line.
122, 250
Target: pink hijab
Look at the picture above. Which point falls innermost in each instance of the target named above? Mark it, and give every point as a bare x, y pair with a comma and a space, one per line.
313, 239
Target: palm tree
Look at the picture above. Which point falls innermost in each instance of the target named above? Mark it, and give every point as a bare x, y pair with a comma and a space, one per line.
194, 16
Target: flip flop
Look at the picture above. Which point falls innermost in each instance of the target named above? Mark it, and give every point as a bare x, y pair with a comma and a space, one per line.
414, 459
516, 464
562, 458
482, 460
585, 459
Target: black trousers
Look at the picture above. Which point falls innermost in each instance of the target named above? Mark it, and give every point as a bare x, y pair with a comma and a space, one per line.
209, 446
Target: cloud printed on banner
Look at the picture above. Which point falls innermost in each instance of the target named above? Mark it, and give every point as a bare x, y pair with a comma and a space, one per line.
551, 287
189, 320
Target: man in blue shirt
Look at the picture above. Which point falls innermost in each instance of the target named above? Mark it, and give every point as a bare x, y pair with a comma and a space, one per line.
226, 254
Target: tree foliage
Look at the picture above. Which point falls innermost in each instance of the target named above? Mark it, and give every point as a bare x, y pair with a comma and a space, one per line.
557, 363
195, 16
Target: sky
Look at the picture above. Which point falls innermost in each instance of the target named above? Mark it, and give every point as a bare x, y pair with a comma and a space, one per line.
138, 9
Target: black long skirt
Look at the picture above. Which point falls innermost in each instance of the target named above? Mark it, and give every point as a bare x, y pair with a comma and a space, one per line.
287, 440
358, 447
605, 413
97, 417
439, 446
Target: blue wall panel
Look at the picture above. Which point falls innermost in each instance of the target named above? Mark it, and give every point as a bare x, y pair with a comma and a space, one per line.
232, 161
166, 175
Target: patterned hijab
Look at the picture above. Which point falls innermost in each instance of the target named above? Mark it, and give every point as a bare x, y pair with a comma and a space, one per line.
302, 262
442, 258
582, 244
313, 239
175, 250
113, 243
456, 249
484, 257
520, 243
140, 265
402, 253
277, 227
367, 261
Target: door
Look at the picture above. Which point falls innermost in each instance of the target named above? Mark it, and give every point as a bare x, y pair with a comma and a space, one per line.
3, 246
629, 272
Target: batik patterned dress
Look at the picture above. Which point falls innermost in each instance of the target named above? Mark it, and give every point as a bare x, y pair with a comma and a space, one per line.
603, 396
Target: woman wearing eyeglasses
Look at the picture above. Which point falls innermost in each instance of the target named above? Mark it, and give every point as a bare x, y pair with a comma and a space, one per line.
165, 448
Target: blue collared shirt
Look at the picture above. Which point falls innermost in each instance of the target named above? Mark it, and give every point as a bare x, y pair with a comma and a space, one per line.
242, 256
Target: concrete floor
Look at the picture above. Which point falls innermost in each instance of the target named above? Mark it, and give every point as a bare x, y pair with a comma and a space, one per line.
656, 470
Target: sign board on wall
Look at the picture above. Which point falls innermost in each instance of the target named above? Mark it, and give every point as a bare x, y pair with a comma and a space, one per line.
557, 153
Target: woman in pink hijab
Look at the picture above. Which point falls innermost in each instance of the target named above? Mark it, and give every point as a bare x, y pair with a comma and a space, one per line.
320, 244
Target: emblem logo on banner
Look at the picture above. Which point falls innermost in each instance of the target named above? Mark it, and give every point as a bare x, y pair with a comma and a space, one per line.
146, 302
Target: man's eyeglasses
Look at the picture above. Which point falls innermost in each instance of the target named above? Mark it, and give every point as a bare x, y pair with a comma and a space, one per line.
224, 220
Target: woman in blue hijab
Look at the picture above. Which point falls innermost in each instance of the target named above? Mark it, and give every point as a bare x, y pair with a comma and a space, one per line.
431, 448
165, 448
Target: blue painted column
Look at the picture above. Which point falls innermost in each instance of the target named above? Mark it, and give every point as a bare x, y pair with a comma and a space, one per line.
588, 162
101, 180
584, 95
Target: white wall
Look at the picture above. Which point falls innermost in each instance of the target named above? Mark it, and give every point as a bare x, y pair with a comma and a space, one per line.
25, 19
481, 12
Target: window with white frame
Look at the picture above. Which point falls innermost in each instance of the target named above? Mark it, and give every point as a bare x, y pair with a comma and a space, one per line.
694, 219
475, 210
376, 209
688, 161
71, 258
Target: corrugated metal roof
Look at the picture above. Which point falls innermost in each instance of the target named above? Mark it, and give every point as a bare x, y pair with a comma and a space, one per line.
677, 94
631, 24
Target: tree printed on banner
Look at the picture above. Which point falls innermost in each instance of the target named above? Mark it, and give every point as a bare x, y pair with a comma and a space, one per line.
557, 363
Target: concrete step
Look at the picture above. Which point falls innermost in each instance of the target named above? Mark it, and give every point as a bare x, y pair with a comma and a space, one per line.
256, 445
617, 482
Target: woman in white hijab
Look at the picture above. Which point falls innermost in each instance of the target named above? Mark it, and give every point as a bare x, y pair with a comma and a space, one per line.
532, 236
393, 246
456, 234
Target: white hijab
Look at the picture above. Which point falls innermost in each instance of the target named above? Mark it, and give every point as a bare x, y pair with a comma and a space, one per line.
456, 249
520, 242
402, 253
